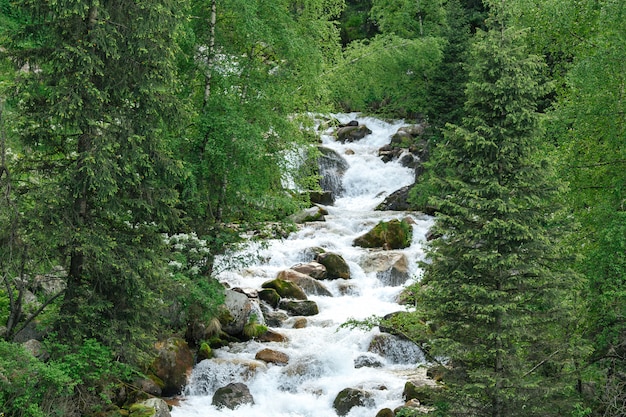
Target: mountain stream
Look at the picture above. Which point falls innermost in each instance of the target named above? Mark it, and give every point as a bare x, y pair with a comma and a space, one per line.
322, 354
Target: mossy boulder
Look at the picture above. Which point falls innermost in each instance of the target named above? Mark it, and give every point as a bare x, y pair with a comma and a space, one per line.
394, 234
270, 296
309, 285
299, 307
285, 289
426, 394
336, 265
385, 412
349, 398
204, 352
171, 366
153, 407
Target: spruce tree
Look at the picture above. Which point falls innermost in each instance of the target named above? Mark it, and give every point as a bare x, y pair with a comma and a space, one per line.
493, 287
96, 104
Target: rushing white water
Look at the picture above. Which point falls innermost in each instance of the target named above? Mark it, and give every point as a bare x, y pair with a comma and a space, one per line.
322, 354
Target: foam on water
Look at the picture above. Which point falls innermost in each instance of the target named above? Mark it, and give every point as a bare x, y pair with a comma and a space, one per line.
321, 355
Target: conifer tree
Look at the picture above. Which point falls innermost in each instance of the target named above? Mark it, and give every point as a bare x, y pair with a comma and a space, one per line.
96, 104
493, 287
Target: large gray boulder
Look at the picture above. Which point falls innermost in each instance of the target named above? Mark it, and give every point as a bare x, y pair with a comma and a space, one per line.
232, 396
239, 311
352, 133
391, 268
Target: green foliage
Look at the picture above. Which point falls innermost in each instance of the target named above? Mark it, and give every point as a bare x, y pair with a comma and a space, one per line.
355, 21
386, 75
495, 286
409, 19
590, 131
30, 388
96, 179
192, 294
253, 329
264, 67
91, 365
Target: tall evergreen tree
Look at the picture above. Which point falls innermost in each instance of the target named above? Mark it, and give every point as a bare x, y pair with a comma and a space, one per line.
494, 287
96, 102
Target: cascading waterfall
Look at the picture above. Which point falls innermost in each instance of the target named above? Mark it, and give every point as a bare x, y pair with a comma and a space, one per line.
322, 355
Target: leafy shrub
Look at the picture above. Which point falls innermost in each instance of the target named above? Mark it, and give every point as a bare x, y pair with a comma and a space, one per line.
31, 388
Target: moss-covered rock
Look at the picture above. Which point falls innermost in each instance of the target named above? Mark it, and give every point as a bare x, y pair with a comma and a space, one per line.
394, 234
349, 398
285, 289
171, 366
309, 285
426, 394
204, 352
299, 307
270, 296
336, 265
385, 412
153, 407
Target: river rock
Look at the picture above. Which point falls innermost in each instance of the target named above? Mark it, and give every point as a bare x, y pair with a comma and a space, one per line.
300, 323
309, 285
397, 201
349, 398
325, 198
286, 289
396, 349
394, 234
311, 214
336, 266
272, 356
239, 311
306, 367
299, 307
152, 407
232, 395
274, 318
368, 361
148, 386
172, 365
332, 167
392, 268
385, 412
352, 133
270, 296
423, 392
313, 269
437, 372
272, 336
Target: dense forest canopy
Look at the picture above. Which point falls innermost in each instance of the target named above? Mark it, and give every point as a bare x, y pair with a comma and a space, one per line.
138, 139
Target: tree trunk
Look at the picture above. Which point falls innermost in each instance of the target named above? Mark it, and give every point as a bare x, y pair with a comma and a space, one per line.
210, 52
